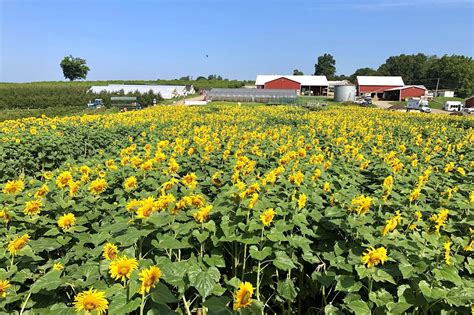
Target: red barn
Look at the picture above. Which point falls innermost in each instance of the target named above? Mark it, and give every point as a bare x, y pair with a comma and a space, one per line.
376, 85
404, 92
304, 84
283, 83
468, 103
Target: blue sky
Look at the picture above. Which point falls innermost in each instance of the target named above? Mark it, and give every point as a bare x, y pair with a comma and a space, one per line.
145, 39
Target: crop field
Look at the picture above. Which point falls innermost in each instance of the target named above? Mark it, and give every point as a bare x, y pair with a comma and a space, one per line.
228, 209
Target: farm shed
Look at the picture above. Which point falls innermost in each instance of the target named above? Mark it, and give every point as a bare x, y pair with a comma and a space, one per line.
275, 96
468, 103
311, 84
445, 93
376, 85
404, 92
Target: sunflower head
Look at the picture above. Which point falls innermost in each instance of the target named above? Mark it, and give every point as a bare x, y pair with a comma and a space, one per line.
373, 257
4, 285
91, 300
66, 221
149, 277
121, 268
17, 244
243, 296
110, 251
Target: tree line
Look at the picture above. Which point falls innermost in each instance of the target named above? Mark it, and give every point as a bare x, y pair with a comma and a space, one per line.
454, 72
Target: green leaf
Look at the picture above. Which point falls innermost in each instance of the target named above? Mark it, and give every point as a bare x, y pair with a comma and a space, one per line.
49, 281
359, 307
382, 276
431, 293
406, 270
259, 254
332, 310
283, 262
347, 284
161, 294
286, 289
169, 242
218, 305
204, 281
448, 274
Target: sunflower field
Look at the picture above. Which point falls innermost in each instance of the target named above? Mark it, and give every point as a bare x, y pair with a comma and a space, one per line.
237, 210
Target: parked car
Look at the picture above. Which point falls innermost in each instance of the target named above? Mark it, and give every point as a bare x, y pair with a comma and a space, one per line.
416, 103
468, 110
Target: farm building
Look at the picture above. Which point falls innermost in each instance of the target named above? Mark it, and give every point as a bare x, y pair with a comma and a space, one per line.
376, 85
304, 84
274, 96
445, 93
166, 91
404, 92
468, 103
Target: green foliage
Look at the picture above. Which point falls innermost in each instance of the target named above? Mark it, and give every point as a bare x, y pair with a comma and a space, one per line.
307, 260
75, 94
362, 72
74, 68
297, 72
326, 65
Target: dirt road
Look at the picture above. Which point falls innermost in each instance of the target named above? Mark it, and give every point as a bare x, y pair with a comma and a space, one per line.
385, 105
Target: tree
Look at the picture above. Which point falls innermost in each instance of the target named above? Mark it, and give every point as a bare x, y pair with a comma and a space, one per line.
455, 72
412, 68
297, 72
201, 78
362, 71
326, 66
74, 68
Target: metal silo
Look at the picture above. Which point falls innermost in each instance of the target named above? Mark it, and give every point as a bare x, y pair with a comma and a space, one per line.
344, 93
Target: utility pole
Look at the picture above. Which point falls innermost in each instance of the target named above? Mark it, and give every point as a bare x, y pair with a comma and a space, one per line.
437, 84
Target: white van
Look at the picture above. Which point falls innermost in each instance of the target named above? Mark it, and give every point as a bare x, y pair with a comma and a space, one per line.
416, 103
453, 106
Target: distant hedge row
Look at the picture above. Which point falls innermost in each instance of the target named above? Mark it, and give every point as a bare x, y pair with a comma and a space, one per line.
65, 94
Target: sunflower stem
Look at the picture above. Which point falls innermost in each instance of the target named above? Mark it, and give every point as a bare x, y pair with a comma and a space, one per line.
186, 306
24, 303
142, 305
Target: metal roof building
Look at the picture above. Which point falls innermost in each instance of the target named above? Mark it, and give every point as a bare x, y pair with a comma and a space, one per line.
314, 84
404, 92
274, 96
376, 85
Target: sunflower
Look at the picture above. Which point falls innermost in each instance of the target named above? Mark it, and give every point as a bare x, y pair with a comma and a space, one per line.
130, 183
66, 221
190, 180
13, 187
267, 216
32, 207
4, 285
42, 191
63, 179
149, 277
98, 186
121, 268
202, 214
5, 215
91, 300
58, 266
447, 252
243, 296
17, 244
302, 199
110, 251
73, 188
373, 257
48, 175
85, 170
361, 204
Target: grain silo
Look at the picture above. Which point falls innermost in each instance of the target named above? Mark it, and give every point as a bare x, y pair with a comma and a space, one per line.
344, 93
